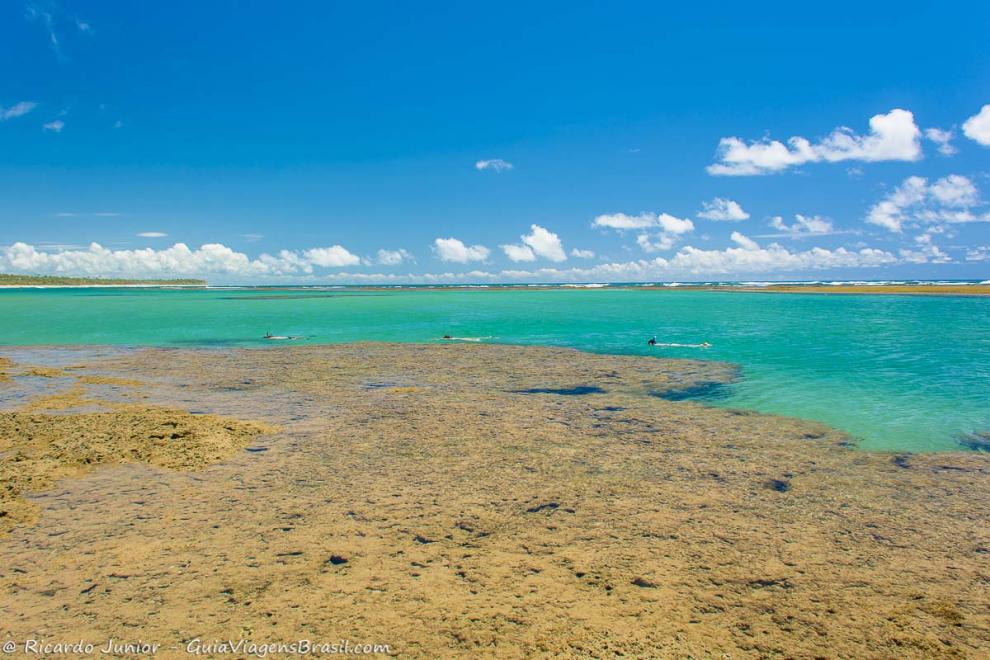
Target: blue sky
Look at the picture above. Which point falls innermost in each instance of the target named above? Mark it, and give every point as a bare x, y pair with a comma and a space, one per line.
363, 142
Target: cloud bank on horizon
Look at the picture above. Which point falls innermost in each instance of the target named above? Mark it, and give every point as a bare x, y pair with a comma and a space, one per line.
746, 256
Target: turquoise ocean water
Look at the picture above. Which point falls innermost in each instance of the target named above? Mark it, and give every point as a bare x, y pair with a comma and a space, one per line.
896, 372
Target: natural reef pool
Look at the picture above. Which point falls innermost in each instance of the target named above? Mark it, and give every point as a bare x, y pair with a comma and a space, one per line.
898, 373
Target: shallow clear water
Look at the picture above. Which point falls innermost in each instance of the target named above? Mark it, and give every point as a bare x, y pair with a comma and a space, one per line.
897, 372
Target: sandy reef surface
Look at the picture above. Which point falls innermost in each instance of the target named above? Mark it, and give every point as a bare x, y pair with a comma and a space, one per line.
455, 500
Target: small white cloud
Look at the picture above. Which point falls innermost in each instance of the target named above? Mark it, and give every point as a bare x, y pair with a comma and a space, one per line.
744, 242
893, 136
334, 256
723, 210
544, 243
943, 139
55, 126
17, 110
393, 257
453, 250
674, 225
582, 254
622, 221
518, 252
803, 226
494, 164
671, 228
977, 127
926, 252
251, 238
950, 200
152, 234
669, 223
661, 243
539, 242
956, 191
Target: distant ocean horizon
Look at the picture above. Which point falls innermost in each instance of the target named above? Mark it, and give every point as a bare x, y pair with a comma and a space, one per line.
898, 373
507, 284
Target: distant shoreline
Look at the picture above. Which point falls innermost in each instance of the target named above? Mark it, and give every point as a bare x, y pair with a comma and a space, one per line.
55, 282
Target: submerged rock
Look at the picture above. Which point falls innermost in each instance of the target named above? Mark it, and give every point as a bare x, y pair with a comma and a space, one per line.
976, 441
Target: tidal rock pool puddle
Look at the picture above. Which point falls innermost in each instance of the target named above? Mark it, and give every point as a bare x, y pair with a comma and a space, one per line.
580, 390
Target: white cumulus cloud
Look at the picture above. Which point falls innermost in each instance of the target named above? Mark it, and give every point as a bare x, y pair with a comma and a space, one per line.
803, 226
539, 242
453, 250
659, 243
493, 164
977, 127
394, 257
668, 228
54, 126
334, 256
622, 221
583, 254
518, 252
892, 136
949, 200
723, 210
668, 223
925, 252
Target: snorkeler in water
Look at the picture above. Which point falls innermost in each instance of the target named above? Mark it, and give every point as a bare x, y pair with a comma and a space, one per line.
653, 342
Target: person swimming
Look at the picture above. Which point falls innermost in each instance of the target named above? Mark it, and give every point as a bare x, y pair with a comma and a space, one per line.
269, 336
653, 342
452, 338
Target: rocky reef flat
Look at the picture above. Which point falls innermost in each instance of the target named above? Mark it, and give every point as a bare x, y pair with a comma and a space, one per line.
451, 500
